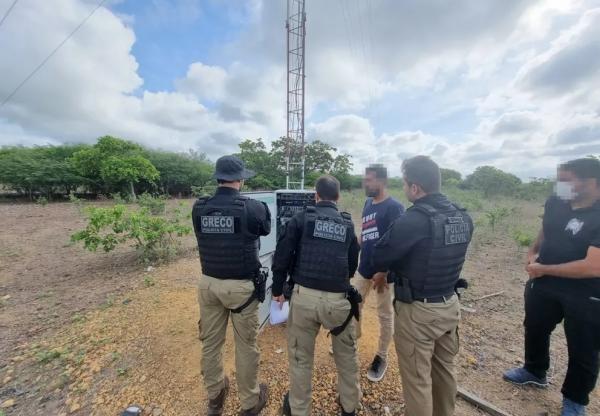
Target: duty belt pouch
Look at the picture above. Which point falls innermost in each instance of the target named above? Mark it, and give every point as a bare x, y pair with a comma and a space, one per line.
402, 291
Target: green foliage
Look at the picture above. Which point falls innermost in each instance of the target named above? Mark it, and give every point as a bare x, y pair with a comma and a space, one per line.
492, 182
536, 189
156, 205
270, 165
450, 177
148, 281
199, 191
46, 356
155, 237
179, 172
523, 239
115, 163
497, 215
40, 170
41, 200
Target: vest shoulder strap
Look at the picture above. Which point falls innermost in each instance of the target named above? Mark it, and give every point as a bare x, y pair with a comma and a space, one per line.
202, 200
426, 209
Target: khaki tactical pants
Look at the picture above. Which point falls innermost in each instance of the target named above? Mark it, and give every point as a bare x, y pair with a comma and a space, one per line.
309, 310
385, 312
426, 342
216, 297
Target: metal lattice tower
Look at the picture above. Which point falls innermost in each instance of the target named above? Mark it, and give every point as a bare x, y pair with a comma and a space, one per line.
296, 35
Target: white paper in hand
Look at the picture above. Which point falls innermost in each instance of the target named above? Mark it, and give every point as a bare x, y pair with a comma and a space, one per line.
279, 313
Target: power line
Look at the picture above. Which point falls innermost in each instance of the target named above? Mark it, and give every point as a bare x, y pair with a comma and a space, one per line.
28, 77
8, 12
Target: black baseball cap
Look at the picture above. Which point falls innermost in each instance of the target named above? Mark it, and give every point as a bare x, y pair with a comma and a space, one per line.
231, 168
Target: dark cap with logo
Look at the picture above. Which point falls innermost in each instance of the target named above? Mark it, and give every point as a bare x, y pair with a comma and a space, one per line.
231, 168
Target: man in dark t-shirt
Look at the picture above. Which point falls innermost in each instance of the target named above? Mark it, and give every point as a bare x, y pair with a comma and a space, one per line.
379, 213
564, 285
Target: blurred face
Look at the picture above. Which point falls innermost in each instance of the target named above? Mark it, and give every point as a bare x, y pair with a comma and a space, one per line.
373, 186
571, 188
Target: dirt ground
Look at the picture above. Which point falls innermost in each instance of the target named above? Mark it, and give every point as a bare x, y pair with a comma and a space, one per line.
89, 334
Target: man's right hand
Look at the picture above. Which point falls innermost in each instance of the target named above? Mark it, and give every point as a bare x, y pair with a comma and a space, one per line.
380, 282
532, 257
280, 299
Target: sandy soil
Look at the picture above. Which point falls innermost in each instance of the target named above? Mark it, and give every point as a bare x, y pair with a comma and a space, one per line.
89, 334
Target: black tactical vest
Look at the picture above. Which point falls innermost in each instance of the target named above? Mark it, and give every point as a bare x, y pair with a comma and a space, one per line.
227, 249
451, 232
322, 259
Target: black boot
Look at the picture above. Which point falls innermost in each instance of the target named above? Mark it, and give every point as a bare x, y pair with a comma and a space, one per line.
352, 413
263, 397
286, 410
215, 406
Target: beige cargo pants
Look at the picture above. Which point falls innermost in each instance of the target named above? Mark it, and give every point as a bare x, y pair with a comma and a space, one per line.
385, 312
309, 310
216, 297
426, 340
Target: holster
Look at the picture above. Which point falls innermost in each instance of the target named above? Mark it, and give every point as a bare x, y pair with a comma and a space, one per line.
355, 299
260, 289
460, 286
402, 291
288, 289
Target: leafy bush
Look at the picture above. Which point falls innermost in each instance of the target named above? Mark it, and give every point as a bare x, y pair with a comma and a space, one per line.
523, 239
492, 182
199, 191
42, 200
119, 199
155, 237
156, 205
496, 216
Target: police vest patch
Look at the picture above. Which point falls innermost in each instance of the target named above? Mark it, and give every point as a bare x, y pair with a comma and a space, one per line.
330, 230
217, 224
457, 232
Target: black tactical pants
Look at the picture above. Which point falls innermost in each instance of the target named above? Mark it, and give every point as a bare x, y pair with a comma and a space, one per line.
548, 301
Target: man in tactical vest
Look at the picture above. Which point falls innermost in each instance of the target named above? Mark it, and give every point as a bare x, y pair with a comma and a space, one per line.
319, 250
425, 249
228, 226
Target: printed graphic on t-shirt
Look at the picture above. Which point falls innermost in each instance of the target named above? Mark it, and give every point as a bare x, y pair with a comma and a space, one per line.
369, 228
574, 225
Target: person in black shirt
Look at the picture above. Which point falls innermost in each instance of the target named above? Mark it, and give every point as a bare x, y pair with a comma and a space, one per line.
228, 226
319, 250
564, 270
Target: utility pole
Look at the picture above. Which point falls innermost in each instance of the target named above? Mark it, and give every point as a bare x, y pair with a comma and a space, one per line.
296, 35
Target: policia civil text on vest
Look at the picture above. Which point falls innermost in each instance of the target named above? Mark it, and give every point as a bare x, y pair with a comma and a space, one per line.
450, 230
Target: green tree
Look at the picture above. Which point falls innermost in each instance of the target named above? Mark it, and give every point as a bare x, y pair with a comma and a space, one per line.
115, 163
180, 171
492, 181
40, 169
450, 177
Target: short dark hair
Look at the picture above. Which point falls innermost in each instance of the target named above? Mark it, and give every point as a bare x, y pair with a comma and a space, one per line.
328, 188
422, 171
584, 168
379, 170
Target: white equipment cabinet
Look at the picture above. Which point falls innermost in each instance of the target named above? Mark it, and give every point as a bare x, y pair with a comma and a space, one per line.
283, 204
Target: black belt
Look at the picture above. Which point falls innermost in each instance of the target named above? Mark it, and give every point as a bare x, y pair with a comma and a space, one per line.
435, 299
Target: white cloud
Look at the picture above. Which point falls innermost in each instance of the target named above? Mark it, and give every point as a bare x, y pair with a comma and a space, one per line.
529, 71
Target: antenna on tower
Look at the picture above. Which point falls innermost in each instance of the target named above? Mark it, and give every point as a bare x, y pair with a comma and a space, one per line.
296, 35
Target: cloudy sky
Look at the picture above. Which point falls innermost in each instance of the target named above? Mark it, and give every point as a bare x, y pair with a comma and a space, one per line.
509, 83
